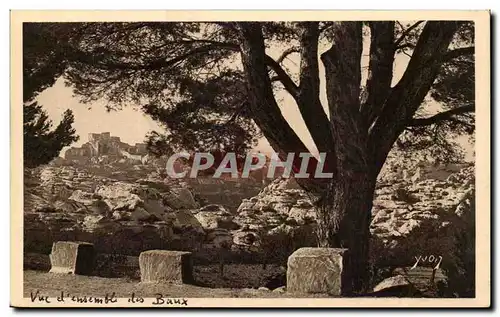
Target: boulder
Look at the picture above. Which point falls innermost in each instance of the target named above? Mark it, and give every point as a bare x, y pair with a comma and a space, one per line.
395, 286
166, 266
247, 239
83, 197
302, 214
214, 217
317, 270
390, 282
245, 205
185, 221
35, 203
72, 258
183, 199
121, 195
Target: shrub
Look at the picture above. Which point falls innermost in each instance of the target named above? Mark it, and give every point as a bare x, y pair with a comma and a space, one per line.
461, 272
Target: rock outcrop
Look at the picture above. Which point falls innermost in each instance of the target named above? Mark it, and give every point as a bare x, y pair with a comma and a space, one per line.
118, 217
404, 209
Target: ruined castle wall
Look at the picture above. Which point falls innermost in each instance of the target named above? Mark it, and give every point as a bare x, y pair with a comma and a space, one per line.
104, 144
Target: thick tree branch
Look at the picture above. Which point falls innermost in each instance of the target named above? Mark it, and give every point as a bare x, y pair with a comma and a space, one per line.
287, 53
458, 52
442, 116
342, 68
406, 32
343, 78
308, 95
379, 69
263, 106
162, 63
159, 63
406, 45
408, 94
325, 26
281, 74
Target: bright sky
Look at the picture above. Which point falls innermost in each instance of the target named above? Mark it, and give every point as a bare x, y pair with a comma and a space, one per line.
131, 125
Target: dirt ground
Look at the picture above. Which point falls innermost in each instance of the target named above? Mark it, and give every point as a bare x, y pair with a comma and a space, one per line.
234, 275
123, 279
50, 284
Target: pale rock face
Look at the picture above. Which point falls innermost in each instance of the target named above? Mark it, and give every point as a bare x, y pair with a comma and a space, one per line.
246, 204
184, 220
91, 222
302, 214
466, 203
247, 239
120, 195
391, 282
281, 201
282, 207
83, 197
181, 199
72, 203
208, 220
68, 207
407, 227
215, 216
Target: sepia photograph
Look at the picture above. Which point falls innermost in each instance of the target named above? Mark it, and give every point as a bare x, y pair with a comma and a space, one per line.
239, 159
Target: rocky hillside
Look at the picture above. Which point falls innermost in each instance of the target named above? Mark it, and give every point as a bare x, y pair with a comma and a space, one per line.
126, 208
70, 203
126, 211
412, 215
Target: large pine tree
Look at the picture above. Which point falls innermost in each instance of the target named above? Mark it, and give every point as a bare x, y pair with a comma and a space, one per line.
214, 85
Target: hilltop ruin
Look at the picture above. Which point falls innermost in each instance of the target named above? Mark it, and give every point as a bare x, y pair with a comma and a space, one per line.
100, 144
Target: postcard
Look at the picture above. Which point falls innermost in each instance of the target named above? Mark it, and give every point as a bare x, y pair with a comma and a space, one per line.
250, 159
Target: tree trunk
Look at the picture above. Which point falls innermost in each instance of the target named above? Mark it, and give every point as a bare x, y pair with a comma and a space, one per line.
344, 211
344, 216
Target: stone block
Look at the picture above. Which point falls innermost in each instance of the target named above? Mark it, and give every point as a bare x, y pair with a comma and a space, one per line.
72, 257
317, 270
166, 266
